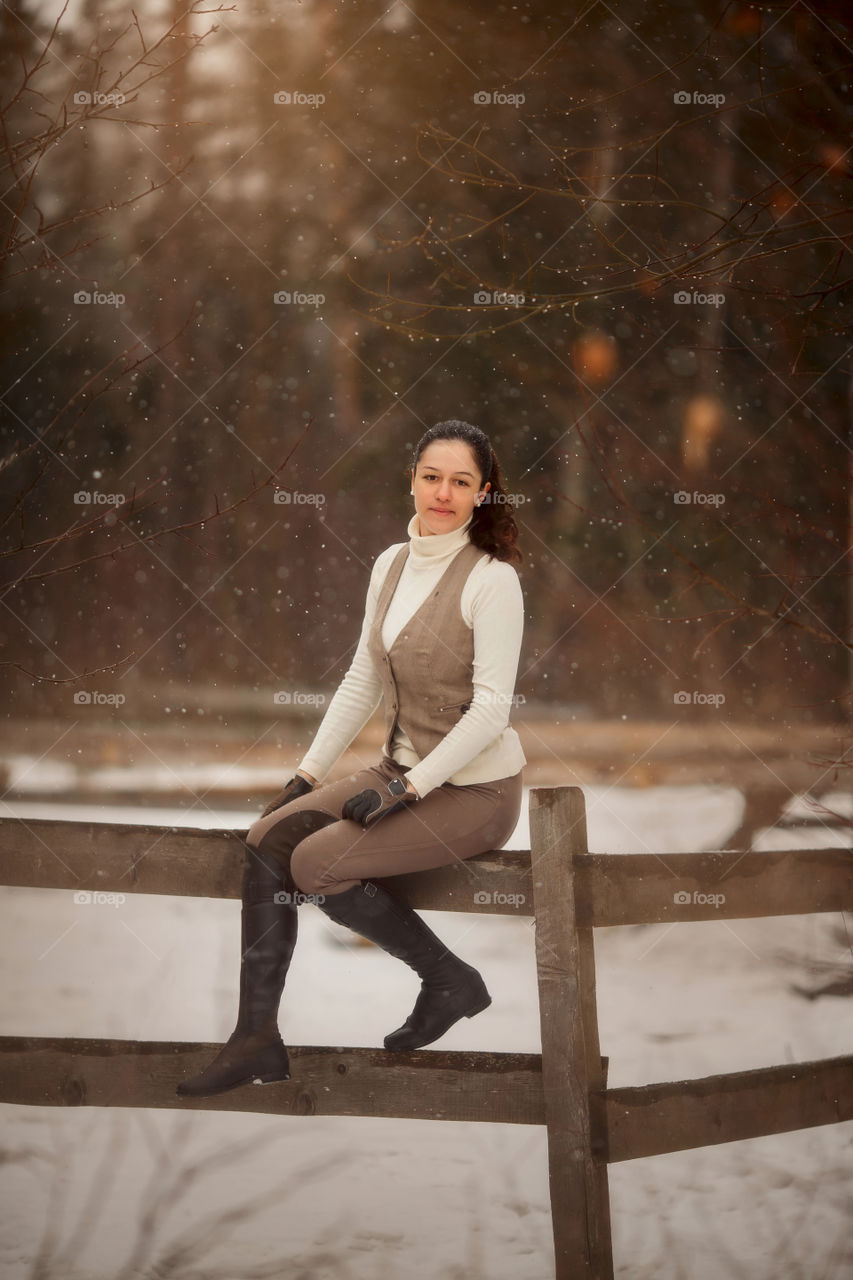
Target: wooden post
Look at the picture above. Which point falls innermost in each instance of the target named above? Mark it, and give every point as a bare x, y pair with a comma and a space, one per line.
572, 1068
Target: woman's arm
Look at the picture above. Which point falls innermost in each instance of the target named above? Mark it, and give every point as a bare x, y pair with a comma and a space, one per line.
497, 610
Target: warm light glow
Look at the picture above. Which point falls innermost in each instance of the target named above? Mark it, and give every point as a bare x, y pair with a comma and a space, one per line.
704, 416
595, 356
832, 155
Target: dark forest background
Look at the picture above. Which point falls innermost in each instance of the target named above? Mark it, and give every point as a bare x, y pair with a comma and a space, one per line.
629, 157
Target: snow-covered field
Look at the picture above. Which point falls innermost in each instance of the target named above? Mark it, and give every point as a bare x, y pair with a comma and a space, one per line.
95, 1195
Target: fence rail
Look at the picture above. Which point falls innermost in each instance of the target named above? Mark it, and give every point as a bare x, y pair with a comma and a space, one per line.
567, 892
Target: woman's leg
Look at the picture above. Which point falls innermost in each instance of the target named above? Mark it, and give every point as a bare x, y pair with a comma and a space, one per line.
254, 1051
269, 923
450, 823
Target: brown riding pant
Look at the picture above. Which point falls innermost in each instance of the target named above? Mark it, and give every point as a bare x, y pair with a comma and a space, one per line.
326, 854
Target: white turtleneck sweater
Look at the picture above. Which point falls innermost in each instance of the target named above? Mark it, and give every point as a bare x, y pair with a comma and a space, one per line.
481, 746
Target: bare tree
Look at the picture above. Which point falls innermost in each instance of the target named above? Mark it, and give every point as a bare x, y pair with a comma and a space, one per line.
61, 96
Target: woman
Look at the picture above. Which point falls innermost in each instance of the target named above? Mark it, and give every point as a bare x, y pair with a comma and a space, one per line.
440, 644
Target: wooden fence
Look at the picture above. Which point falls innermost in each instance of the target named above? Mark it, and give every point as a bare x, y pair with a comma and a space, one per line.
569, 892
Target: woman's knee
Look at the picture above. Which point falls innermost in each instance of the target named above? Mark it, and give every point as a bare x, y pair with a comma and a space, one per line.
304, 871
256, 832
292, 827
314, 860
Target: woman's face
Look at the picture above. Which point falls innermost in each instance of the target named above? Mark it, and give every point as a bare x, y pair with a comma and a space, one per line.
446, 485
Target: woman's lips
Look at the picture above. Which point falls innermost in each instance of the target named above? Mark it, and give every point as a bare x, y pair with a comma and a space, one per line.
442, 511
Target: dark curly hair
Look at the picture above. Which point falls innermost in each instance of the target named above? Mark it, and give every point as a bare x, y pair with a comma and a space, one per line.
493, 526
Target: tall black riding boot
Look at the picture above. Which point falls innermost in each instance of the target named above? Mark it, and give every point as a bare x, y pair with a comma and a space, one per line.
255, 1053
450, 988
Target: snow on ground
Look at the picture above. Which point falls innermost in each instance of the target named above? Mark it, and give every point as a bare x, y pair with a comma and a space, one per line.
94, 1195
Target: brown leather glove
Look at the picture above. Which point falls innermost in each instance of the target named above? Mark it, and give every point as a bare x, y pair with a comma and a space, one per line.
295, 788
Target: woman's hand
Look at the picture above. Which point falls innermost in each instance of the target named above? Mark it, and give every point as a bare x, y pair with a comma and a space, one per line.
296, 787
374, 803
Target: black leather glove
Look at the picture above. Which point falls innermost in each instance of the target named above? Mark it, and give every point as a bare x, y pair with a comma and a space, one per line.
295, 788
377, 802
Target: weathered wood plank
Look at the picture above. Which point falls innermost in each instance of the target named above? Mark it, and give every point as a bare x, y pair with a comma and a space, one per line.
647, 1120
610, 889
504, 1088
131, 858
120, 858
596, 1066
641, 888
571, 1068
657, 1118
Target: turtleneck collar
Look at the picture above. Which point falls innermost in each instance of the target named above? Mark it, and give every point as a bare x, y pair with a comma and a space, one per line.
430, 548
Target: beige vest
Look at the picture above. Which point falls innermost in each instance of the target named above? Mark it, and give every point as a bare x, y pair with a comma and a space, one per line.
428, 673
